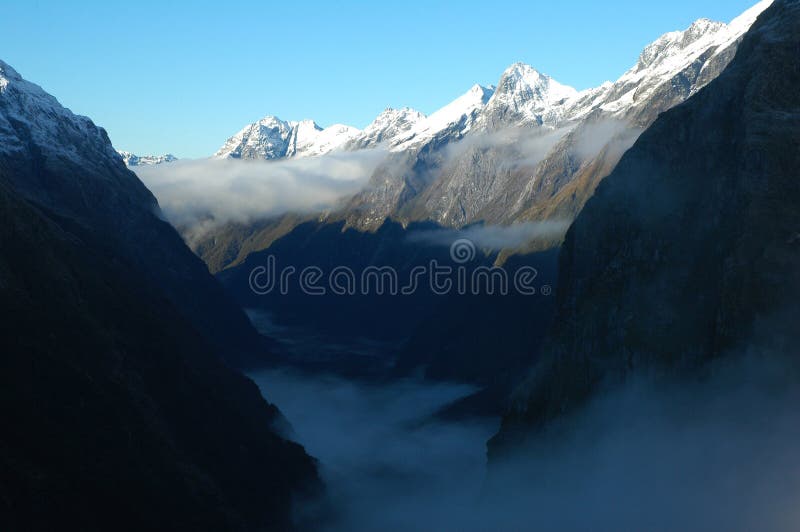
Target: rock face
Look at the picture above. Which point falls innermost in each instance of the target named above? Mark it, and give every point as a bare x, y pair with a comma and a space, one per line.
117, 410
690, 249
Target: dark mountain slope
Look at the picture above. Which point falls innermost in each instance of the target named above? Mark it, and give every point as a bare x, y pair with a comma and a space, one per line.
117, 412
67, 165
691, 248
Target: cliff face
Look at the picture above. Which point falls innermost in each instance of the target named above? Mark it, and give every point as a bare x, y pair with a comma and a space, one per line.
117, 411
690, 249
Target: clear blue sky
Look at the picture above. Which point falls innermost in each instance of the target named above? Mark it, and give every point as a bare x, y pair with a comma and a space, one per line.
182, 76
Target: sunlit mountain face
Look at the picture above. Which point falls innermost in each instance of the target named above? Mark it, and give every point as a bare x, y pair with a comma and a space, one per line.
536, 307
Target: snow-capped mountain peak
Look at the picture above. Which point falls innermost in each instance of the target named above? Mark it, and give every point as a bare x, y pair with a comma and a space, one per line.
404, 115
526, 96
307, 139
671, 44
460, 113
390, 125
26, 106
700, 46
463, 106
273, 138
306, 127
523, 79
266, 139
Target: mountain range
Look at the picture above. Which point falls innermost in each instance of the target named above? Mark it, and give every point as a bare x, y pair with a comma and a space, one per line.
529, 149
522, 97
121, 391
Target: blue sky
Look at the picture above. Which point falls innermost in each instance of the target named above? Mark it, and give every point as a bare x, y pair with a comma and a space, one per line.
181, 77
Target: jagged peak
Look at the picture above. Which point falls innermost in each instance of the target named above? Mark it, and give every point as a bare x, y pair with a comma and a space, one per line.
402, 111
390, 115
674, 42
523, 77
520, 68
485, 91
271, 120
526, 90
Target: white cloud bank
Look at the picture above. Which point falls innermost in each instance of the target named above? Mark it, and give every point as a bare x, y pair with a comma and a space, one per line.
716, 453
210, 191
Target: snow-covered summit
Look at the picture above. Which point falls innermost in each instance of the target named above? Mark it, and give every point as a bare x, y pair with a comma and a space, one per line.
266, 139
387, 128
460, 114
523, 97
307, 139
523, 87
26, 110
524, 92
669, 46
273, 138
698, 47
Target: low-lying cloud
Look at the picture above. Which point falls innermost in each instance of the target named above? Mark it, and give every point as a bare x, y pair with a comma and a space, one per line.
516, 147
527, 147
386, 463
715, 453
614, 136
207, 192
